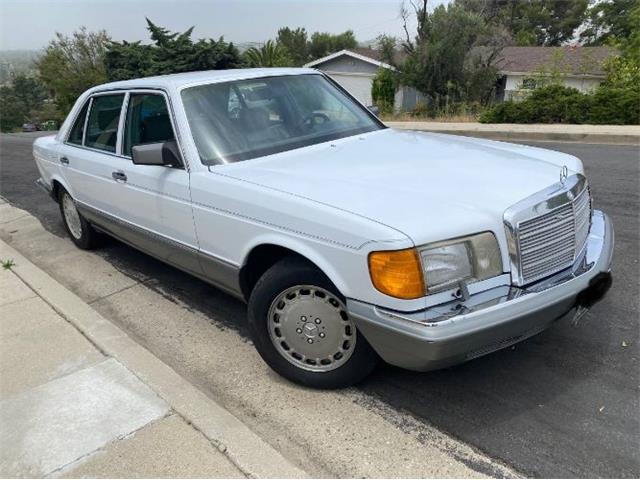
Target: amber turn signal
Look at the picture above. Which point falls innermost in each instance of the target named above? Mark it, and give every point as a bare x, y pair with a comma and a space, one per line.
397, 273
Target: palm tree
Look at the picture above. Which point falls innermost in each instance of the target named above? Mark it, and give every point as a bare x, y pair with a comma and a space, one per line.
269, 55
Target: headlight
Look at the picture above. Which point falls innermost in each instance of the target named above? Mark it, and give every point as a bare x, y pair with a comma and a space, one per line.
468, 259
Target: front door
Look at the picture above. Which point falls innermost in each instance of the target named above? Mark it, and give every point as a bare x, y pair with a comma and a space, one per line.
156, 199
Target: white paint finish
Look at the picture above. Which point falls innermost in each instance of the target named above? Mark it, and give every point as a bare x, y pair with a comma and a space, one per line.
431, 187
335, 202
233, 216
54, 424
155, 197
89, 175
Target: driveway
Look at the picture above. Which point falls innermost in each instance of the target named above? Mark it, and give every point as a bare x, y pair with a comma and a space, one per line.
562, 404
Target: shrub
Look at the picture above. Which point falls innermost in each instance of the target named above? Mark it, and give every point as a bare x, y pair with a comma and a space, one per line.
551, 104
615, 106
558, 104
383, 90
616, 101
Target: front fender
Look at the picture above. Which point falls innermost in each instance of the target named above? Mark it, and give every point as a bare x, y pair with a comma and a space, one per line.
317, 253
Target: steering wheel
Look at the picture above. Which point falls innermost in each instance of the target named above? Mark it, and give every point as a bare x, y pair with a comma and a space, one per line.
309, 120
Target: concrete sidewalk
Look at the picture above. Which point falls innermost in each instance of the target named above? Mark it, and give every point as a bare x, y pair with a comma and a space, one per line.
79, 398
600, 134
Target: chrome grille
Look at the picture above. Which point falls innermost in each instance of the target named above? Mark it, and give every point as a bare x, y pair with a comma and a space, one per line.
551, 242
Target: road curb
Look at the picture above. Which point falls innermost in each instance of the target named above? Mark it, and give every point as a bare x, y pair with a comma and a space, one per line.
496, 132
246, 450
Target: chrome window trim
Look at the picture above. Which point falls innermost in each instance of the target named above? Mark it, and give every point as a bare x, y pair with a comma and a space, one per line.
121, 122
86, 121
84, 137
167, 99
126, 91
73, 123
545, 201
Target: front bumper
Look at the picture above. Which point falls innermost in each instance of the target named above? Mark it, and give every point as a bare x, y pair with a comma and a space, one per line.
490, 320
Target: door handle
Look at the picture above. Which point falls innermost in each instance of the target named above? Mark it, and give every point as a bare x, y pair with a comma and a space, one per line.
64, 160
119, 175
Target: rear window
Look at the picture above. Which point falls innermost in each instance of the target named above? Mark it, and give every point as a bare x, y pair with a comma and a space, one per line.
102, 126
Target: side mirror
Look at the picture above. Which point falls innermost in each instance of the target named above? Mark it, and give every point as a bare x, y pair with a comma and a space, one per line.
161, 153
374, 109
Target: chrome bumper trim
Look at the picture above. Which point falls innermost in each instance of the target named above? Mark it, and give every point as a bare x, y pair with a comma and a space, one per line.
451, 332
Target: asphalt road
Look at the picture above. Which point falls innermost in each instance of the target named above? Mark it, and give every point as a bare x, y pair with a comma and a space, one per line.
565, 403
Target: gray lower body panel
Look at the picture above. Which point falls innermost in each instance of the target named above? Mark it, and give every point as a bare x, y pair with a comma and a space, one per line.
217, 272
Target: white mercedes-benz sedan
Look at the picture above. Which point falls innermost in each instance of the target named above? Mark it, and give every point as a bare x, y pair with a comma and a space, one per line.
350, 242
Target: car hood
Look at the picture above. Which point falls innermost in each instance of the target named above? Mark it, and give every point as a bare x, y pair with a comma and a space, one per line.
428, 186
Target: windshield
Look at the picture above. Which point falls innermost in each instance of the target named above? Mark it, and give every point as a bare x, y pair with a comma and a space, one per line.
239, 120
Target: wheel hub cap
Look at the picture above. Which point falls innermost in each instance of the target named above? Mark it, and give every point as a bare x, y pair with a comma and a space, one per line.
71, 216
309, 327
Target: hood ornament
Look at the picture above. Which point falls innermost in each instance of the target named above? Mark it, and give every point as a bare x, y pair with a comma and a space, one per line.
564, 173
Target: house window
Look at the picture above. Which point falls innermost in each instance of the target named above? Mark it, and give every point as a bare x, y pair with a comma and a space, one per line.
529, 84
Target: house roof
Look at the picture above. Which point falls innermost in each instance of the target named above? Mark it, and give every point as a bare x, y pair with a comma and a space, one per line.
571, 60
367, 55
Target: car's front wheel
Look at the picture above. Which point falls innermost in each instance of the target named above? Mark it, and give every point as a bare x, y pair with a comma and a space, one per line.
79, 229
301, 328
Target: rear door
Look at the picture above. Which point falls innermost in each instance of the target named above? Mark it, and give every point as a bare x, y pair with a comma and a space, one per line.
156, 198
88, 156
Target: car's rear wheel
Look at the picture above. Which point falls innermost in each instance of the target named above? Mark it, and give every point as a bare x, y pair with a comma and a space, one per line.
79, 229
301, 328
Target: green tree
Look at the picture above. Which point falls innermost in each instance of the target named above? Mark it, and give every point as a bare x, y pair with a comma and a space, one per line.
386, 46
11, 112
271, 54
451, 57
615, 23
294, 44
532, 22
383, 90
29, 92
323, 43
70, 65
438, 55
21, 101
170, 52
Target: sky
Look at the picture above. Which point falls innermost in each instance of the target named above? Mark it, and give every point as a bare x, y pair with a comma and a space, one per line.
30, 24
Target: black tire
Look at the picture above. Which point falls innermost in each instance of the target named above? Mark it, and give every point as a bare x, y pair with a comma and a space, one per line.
88, 238
285, 274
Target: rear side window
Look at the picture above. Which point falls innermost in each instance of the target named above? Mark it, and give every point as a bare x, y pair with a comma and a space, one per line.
77, 131
147, 121
102, 126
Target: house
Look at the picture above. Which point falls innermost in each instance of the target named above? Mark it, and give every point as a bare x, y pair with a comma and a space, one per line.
522, 68
519, 69
355, 70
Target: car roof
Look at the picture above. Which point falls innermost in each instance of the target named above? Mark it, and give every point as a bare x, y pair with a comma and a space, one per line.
178, 80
